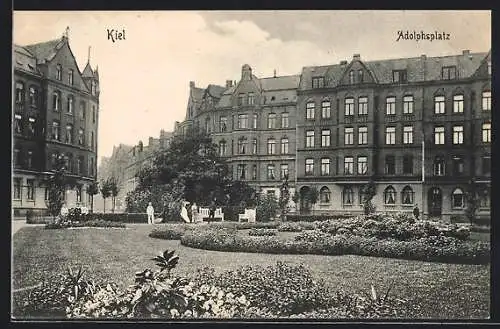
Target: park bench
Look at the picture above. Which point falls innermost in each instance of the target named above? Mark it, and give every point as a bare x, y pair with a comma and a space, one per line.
248, 216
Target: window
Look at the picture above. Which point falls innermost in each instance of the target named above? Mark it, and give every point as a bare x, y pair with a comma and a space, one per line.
390, 105
489, 67
457, 198
439, 135
284, 120
390, 196
439, 166
284, 146
325, 109
486, 165
399, 76
458, 134
81, 137
93, 114
271, 146
69, 163
82, 110
31, 189
390, 164
242, 171
325, 138
439, 105
29, 160
56, 101
207, 125
271, 121
318, 82
251, 99
363, 105
408, 164
270, 172
243, 121
92, 142
458, 104
70, 77
310, 138
241, 97
347, 195
283, 171
363, 135
324, 195
53, 160
254, 146
92, 169
93, 88
362, 165
408, 135
360, 75
310, 109
309, 167
17, 188
349, 106
242, 146
408, 104
254, 172
458, 165
59, 72
19, 92
17, 157
254, 123
222, 124
390, 135
222, 148
55, 130
486, 132
485, 199
79, 167
18, 124
78, 194
486, 101
33, 96
449, 72
351, 77
325, 167
70, 105
407, 195
348, 165
349, 136
69, 134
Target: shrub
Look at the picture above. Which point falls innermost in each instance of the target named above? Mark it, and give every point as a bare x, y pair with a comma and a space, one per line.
267, 208
290, 227
172, 232
315, 218
90, 223
262, 232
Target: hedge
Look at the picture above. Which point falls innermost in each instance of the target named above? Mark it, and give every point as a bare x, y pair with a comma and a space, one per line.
316, 218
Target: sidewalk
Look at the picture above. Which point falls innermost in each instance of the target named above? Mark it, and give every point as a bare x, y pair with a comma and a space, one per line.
18, 224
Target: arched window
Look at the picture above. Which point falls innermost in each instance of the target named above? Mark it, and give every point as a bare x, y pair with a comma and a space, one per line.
19, 92
242, 146
271, 121
325, 109
56, 101
271, 146
33, 96
324, 195
70, 104
222, 148
407, 195
458, 102
347, 195
390, 195
310, 110
457, 198
59, 72
284, 145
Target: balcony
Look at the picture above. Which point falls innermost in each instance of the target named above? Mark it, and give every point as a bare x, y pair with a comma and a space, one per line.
391, 118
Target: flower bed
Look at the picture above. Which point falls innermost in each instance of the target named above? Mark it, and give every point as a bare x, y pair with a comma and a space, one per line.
171, 232
290, 227
437, 248
90, 223
262, 232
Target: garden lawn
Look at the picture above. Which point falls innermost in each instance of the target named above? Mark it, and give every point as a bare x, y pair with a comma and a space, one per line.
435, 290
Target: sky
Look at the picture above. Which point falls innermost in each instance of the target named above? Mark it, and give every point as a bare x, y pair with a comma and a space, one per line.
144, 79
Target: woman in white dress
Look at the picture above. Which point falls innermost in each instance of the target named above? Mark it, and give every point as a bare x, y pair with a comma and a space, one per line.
184, 212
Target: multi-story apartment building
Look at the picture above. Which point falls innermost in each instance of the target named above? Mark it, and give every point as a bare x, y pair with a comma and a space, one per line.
419, 128
253, 123
55, 112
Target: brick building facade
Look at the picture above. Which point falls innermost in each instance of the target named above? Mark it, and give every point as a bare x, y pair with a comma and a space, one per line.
55, 112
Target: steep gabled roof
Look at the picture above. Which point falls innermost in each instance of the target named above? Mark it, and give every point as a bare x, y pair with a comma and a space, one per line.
280, 83
197, 94
215, 90
24, 60
45, 51
87, 71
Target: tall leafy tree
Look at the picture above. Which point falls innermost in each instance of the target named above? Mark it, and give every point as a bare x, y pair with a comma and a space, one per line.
92, 190
113, 190
105, 191
472, 201
369, 191
284, 197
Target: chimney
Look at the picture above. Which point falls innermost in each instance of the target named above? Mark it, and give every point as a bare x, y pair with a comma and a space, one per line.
423, 57
229, 83
343, 62
191, 84
356, 57
275, 73
246, 72
466, 52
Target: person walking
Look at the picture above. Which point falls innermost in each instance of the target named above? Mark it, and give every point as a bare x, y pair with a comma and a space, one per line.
211, 214
416, 211
151, 213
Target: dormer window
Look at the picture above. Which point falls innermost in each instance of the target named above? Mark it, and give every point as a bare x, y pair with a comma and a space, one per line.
399, 76
351, 77
449, 72
318, 82
251, 99
70, 77
360, 76
59, 72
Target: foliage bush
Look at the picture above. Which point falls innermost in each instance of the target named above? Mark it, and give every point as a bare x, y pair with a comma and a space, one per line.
262, 232
172, 232
89, 223
267, 208
290, 227
315, 218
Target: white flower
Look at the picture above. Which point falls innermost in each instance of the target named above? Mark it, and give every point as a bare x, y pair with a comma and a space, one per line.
174, 313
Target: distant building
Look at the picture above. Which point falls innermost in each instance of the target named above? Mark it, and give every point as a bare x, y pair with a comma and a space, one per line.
55, 112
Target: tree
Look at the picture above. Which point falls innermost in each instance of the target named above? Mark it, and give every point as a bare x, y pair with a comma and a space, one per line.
368, 191
113, 191
284, 197
267, 207
56, 185
92, 190
105, 191
472, 201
